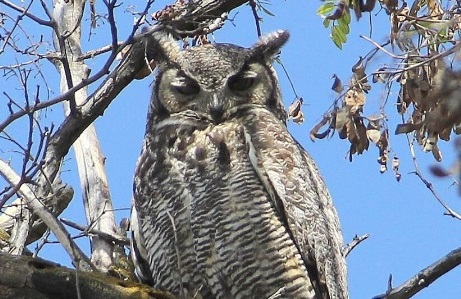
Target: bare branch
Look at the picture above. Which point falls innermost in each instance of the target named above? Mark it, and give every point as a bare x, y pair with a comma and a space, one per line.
429, 185
87, 230
58, 200
24, 11
79, 259
355, 241
255, 15
426, 276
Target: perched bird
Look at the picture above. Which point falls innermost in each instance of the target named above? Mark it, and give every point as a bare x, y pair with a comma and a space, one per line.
227, 204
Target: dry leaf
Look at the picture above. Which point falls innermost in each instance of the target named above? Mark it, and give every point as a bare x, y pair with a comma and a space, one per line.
359, 69
294, 111
314, 132
374, 135
354, 100
337, 85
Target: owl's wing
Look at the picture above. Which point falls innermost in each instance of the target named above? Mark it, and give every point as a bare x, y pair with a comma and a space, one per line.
138, 249
300, 196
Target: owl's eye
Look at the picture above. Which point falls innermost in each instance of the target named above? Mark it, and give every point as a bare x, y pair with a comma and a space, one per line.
242, 81
185, 86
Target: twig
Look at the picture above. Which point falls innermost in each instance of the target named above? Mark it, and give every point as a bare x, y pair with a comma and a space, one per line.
42, 242
429, 185
257, 18
288, 76
26, 13
382, 48
121, 240
19, 233
355, 241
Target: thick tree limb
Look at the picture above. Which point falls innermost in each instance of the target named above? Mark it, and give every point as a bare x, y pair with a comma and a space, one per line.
25, 277
88, 153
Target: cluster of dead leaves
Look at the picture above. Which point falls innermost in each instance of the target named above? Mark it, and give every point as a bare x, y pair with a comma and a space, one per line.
430, 92
429, 98
434, 95
346, 117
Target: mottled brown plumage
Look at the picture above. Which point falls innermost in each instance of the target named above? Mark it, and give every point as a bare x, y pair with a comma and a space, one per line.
226, 203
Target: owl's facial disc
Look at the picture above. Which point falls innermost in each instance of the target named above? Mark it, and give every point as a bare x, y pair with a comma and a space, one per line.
216, 100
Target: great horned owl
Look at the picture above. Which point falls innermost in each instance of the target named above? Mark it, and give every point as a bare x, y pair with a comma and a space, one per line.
226, 203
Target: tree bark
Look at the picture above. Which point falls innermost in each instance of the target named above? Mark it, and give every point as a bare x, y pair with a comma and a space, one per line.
24, 277
90, 161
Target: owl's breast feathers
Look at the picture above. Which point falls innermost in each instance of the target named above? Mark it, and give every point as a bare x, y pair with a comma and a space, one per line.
235, 210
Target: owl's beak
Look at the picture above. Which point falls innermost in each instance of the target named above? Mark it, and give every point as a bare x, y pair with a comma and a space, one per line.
216, 108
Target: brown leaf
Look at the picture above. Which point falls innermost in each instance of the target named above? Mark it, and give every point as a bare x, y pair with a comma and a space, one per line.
440, 171
368, 6
359, 69
355, 100
337, 85
374, 135
435, 10
380, 76
357, 136
402, 101
445, 134
383, 141
382, 160
407, 128
340, 118
314, 132
356, 6
338, 12
436, 153
395, 163
320, 135
294, 111
298, 119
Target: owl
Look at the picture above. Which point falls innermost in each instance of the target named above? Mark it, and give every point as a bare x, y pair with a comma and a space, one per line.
227, 204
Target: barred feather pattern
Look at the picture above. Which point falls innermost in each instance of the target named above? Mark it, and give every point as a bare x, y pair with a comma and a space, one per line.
209, 220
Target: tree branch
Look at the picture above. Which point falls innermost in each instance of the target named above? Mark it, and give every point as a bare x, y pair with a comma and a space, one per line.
25, 277
355, 241
426, 276
26, 13
79, 259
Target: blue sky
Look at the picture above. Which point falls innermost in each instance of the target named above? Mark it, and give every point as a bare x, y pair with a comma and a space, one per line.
407, 226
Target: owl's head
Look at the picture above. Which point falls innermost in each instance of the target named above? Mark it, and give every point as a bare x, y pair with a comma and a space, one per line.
216, 80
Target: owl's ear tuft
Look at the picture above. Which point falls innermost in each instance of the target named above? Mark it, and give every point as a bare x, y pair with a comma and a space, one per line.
162, 47
269, 45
